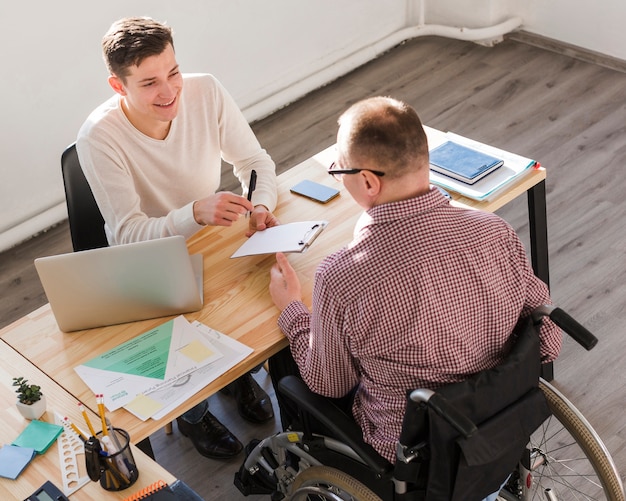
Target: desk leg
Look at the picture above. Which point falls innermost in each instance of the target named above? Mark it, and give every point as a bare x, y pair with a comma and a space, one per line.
145, 446
538, 226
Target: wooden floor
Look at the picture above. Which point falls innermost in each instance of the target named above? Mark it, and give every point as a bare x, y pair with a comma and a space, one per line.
568, 114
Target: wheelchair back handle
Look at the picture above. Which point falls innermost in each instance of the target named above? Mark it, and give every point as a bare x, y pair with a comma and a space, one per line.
561, 318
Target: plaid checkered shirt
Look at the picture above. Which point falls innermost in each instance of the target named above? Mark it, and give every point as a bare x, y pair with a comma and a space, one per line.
425, 294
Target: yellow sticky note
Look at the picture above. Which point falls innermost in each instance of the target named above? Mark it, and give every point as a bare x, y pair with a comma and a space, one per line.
196, 351
143, 406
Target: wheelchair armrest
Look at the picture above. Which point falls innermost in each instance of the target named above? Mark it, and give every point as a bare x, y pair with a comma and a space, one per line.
332, 417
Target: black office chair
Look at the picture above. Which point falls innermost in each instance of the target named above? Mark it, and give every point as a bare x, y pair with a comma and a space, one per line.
85, 218
86, 222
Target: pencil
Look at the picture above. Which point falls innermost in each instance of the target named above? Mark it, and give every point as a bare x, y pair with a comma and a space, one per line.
100, 402
87, 421
75, 429
110, 477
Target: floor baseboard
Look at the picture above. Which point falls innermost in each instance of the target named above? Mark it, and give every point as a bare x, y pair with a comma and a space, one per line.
567, 49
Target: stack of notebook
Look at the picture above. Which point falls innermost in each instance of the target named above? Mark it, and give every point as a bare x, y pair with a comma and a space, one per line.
462, 163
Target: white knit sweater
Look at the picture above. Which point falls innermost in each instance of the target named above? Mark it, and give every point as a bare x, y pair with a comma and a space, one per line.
145, 188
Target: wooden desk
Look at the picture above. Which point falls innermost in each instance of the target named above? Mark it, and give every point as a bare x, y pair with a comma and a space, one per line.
236, 298
47, 466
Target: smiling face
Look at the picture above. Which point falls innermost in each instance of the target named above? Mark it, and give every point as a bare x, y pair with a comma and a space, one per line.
151, 92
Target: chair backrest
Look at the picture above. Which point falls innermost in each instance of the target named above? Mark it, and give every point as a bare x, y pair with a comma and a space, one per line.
85, 218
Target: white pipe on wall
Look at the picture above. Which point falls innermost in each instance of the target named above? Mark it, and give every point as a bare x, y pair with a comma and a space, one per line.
32, 226
298, 89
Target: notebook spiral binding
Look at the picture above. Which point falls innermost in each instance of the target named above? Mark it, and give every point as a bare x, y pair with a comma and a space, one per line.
148, 491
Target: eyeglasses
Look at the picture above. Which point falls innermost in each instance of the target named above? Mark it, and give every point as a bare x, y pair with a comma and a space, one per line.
338, 173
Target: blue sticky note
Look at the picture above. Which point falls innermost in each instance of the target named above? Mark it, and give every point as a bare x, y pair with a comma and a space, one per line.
39, 435
14, 459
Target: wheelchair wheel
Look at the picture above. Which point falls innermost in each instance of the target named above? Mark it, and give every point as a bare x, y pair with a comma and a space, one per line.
568, 457
326, 483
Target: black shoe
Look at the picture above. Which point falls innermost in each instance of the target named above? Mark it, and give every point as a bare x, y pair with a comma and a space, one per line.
210, 437
253, 403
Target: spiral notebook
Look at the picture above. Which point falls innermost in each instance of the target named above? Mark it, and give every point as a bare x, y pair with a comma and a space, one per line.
158, 491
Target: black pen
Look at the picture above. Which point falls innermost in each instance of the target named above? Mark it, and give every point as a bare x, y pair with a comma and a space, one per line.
251, 184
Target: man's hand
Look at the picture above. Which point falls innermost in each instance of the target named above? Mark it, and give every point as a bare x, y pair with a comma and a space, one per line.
261, 218
221, 209
284, 283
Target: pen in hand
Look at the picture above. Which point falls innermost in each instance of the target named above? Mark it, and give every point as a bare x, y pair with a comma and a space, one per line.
251, 185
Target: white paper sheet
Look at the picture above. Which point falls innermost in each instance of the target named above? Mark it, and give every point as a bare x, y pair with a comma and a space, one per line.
290, 237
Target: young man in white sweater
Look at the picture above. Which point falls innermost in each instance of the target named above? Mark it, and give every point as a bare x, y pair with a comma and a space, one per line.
152, 155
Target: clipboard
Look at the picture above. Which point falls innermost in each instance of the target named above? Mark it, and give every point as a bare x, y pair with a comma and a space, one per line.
290, 237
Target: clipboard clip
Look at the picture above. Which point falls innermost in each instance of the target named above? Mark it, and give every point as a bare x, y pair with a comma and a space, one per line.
311, 235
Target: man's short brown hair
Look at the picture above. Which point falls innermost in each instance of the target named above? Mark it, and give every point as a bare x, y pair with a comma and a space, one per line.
387, 132
131, 40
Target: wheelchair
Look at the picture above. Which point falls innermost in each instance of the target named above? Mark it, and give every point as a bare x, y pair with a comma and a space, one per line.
459, 442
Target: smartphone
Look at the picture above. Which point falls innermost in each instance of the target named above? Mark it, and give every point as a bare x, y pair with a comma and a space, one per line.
315, 191
444, 192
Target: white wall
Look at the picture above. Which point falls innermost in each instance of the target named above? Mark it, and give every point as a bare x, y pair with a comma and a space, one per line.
597, 26
266, 52
53, 74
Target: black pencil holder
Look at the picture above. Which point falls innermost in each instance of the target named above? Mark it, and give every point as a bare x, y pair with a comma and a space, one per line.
109, 460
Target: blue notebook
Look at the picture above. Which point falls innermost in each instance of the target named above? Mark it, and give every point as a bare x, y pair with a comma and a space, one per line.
462, 163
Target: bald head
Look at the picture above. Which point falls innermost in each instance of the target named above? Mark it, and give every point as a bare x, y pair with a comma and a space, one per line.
385, 133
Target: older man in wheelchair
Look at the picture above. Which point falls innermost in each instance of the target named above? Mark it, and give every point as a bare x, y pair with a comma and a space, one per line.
426, 296
441, 454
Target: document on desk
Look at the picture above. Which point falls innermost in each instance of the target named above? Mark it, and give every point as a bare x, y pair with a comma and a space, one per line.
515, 166
155, 362
290, 237
159, 402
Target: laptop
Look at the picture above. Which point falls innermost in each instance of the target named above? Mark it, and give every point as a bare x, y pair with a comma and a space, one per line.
122, 283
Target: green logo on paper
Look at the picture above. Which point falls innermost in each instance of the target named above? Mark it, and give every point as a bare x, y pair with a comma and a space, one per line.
145, 355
